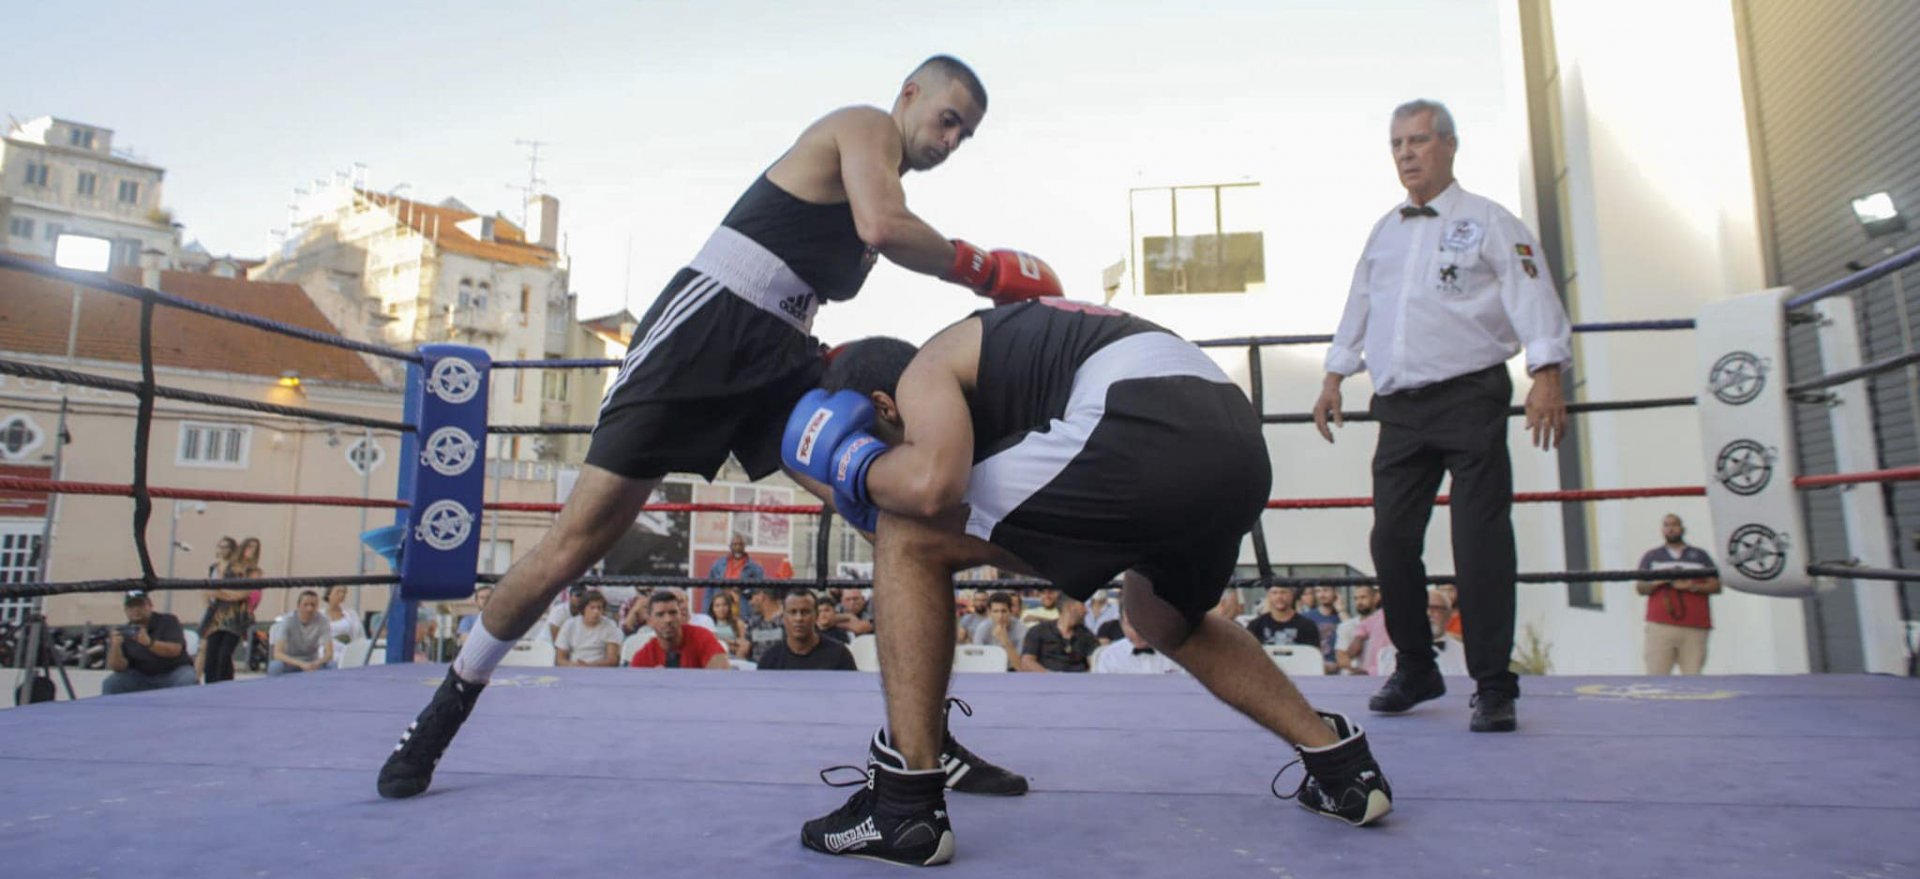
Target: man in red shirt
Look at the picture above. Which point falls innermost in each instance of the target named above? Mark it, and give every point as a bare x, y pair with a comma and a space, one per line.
677, 644
1678, 618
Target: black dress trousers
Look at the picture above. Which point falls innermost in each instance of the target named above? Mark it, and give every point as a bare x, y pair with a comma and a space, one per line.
1456, 426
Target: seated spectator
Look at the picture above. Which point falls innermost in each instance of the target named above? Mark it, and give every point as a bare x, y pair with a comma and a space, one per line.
1130, 655
1102, 608
301, 640
481, 595
804, 649
1046, 611
728, 626
972, 607
1280, 624
1449, 651
343, 625
148, 653
564, 609
1323, 610
827, 622
676, 644
589, 639
856, 614
1063, 645
766, 629
1002, 627
1364, 637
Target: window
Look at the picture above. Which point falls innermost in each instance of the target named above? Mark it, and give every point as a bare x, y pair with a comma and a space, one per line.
1198, 239
126, 251
364, 455
213, 445
36, 174
553, 385
80, 137
19, 563
87, 180
53, 231
20, 227
520, 380
130, 191
526, 303
19, 436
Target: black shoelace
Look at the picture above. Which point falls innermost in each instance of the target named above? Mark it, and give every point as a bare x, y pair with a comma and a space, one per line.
1274, 785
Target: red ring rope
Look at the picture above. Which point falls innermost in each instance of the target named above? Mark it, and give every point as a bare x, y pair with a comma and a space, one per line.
52, 486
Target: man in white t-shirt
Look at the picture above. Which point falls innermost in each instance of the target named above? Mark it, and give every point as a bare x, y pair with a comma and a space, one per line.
589, 639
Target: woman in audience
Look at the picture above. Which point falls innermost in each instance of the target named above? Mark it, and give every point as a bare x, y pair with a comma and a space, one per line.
229, 617
342, 623
727, 624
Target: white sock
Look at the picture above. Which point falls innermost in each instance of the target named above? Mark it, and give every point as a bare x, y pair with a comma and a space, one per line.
480, 655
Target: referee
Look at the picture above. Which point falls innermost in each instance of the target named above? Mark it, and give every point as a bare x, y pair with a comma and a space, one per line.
1449, 288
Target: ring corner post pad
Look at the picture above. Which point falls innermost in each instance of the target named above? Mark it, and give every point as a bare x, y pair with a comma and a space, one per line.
443, 482
1747, 440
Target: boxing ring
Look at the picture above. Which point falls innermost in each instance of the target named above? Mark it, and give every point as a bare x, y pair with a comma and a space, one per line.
688, 774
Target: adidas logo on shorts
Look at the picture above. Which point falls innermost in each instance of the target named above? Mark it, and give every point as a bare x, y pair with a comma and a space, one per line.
861, 834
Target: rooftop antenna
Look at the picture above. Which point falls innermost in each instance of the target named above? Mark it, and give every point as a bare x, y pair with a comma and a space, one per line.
534, 180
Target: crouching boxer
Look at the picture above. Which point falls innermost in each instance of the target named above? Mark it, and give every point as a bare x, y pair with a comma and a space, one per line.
1070, 442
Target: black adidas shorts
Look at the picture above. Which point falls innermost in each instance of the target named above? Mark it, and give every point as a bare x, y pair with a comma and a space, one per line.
708, 374
1163, 474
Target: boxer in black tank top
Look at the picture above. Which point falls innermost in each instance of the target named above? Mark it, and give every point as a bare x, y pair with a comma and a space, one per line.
1080, 444
724, 351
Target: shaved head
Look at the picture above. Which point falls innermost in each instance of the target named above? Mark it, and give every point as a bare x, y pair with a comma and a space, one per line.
946, 68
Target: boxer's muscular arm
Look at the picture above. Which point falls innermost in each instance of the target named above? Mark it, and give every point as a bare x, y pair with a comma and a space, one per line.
869, 147
927, 474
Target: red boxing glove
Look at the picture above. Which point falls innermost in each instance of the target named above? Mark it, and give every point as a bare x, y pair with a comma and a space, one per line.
1004, 276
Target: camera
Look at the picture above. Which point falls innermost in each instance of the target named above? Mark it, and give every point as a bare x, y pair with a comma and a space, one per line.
128, 631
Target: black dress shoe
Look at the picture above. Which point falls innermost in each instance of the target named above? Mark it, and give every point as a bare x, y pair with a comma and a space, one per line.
1493, 712
1407, 688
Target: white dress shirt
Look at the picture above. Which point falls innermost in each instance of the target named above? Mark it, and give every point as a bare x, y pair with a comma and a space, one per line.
1119, 658
1438, 297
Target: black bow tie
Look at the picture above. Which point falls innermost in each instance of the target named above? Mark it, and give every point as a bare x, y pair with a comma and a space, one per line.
1425, 210
1139, 650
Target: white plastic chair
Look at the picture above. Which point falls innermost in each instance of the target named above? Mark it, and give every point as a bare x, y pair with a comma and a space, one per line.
352, 654
192, 640
1296, 660
742, 664
632, 645
981, 658
866, 652
530, 654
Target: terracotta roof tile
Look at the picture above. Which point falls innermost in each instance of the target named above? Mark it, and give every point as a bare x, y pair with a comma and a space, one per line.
441, 225
34, 313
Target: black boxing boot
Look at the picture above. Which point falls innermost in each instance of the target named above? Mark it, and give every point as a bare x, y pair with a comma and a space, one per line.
409, 769
966, 772
898, 815
1342, 780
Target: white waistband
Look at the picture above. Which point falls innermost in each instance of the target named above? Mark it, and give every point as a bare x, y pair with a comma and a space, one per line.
755, 274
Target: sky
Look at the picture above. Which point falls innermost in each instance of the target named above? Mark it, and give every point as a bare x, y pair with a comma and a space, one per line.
656, 115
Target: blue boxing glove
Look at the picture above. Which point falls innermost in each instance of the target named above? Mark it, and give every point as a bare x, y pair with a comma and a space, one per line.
827, 439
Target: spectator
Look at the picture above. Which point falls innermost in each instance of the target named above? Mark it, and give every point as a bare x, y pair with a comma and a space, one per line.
1678, 618
676, 644
728, 627
972, 604
633, 617
1103, 610
766, 629
1448, 651
565, 609
148, 653
804, 649
1002, 627
481, 595
782, 570
1047, 611
229, 615
590, 639
1448, 288
827, 622
1323, 610
856, 614
1129, 654
1061, 645
342, 624
1280, 624
301, 640
737, 565
1362, 635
